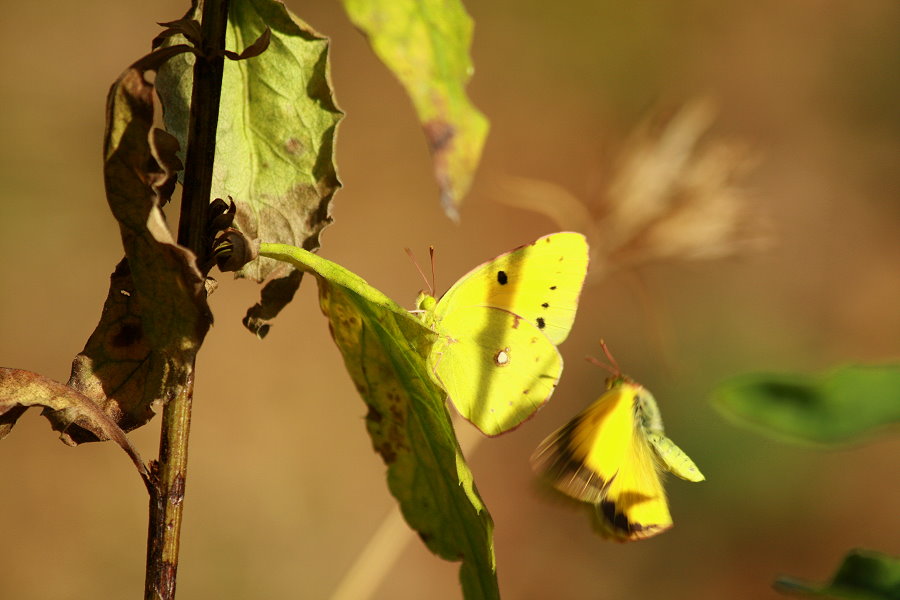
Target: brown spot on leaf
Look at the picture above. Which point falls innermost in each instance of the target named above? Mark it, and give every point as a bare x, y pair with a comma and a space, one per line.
387, 453
439, 134
127, 335
294, 146
373, 415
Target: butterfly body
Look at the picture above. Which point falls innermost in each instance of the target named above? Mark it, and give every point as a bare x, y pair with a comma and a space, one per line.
499, 325
612, 455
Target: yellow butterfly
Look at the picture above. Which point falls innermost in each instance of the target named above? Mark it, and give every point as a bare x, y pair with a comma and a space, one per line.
612, 455
496, 356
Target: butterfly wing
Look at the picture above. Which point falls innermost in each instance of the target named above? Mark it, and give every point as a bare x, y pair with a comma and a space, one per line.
649, 416
540, 281
603, 457
499, 324
582, 458
497, 368
674, 458
671, 457
635, 505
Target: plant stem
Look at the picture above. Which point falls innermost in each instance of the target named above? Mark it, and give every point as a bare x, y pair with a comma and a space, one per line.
167, 499
201, 150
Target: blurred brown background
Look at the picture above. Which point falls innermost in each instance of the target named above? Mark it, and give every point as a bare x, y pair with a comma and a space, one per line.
283, 488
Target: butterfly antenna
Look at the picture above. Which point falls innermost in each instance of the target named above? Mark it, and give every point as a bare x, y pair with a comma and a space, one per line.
412, 257
433, 278
612, 366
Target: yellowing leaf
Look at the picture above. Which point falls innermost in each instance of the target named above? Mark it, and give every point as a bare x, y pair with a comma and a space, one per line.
426, 45
275, 139
383, 348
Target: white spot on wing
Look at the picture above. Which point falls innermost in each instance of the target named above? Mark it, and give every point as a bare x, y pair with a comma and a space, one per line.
501, 359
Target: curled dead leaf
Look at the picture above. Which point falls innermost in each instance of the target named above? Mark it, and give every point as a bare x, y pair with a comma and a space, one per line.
156, 314
233, 250
21, 390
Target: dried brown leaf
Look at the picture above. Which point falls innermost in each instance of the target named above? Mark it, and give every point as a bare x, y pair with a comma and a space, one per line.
20, 390
156, 314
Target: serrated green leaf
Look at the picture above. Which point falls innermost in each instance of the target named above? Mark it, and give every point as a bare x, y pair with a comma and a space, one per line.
864, 575
383, 348
426, 46
275, 139
831, 408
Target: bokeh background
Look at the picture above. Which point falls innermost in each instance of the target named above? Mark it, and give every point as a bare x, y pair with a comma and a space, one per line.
284, 490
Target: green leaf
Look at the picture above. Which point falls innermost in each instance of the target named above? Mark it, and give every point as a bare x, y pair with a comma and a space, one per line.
383, 348
864, 575
275, 139
20, 390
426, 46
831, 408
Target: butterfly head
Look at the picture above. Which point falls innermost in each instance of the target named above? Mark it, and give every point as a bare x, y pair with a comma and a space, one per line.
425, 302
616, 376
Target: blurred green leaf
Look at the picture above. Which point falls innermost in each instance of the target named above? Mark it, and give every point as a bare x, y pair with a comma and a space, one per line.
829, 408
426, 46
383, 348
864, 575
275, 140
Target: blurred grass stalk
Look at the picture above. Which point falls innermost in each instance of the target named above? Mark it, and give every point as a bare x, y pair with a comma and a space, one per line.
393, 534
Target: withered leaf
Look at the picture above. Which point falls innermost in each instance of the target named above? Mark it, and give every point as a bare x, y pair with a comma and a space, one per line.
20, 390
156, 313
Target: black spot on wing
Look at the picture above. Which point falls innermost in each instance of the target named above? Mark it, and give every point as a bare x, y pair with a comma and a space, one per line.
552, 287
502, 278
541, 323
545, 305
620, 522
